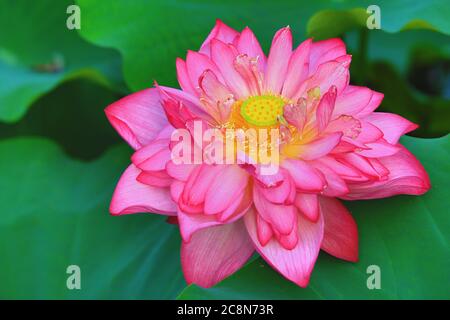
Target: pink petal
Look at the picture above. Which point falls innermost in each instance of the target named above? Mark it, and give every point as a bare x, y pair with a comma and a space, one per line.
263, 230
340, 237
352, 100
298, 69
328, 74
278, 61
186, 105
308, 205
248, 44
180, 171
374, 103
198, 184
306, 178
155, 179
280, 217
224, 56
392, 125
183, 77
197, 64
325, 109
406, 176
132, 196
220, 32
215, 253
320, 147
325, 51
225, 188
283, 193
336, 186
149, 150
380, 148
295, 264
138, 118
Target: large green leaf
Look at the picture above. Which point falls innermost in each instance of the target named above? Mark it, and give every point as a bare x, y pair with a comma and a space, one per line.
72, 115
151, 34
55, 214
38, 51
407, 237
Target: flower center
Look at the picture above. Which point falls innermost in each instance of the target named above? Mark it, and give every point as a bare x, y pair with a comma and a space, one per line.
262, 110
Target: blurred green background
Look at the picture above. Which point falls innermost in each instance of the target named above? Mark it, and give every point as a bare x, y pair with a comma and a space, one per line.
60, 159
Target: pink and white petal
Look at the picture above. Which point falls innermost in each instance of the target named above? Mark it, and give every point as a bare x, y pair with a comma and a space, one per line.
138, 118
320, 147
352, 100
280, 217
183, 77
132, 196
295, 264
392, 125
374, 103
340, 237
157, 161
224, 56
325, 51
368, 133
180, 171
263, 230
305, 177
380, 148
328, 74
215, 253
225, 188
190, 107
149, 150
198, 184
176, 188
220, 32
248, 44
282, 193
325, 109
288, 241
298, 69
278, 60
308, 205
336, 186
406, 176
197, 64
155, 179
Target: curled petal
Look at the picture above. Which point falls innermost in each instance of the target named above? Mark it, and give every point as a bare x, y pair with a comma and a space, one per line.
132, 196
406, 176
138, 118
220, 32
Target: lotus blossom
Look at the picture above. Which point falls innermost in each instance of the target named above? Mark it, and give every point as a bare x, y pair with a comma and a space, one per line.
333, 146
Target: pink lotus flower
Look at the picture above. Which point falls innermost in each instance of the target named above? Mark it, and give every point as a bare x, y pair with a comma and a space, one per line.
333, 146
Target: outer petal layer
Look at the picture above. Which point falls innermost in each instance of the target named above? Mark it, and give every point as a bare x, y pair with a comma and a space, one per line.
296, 264
215, 253
138, 118
340, 237
132, 196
